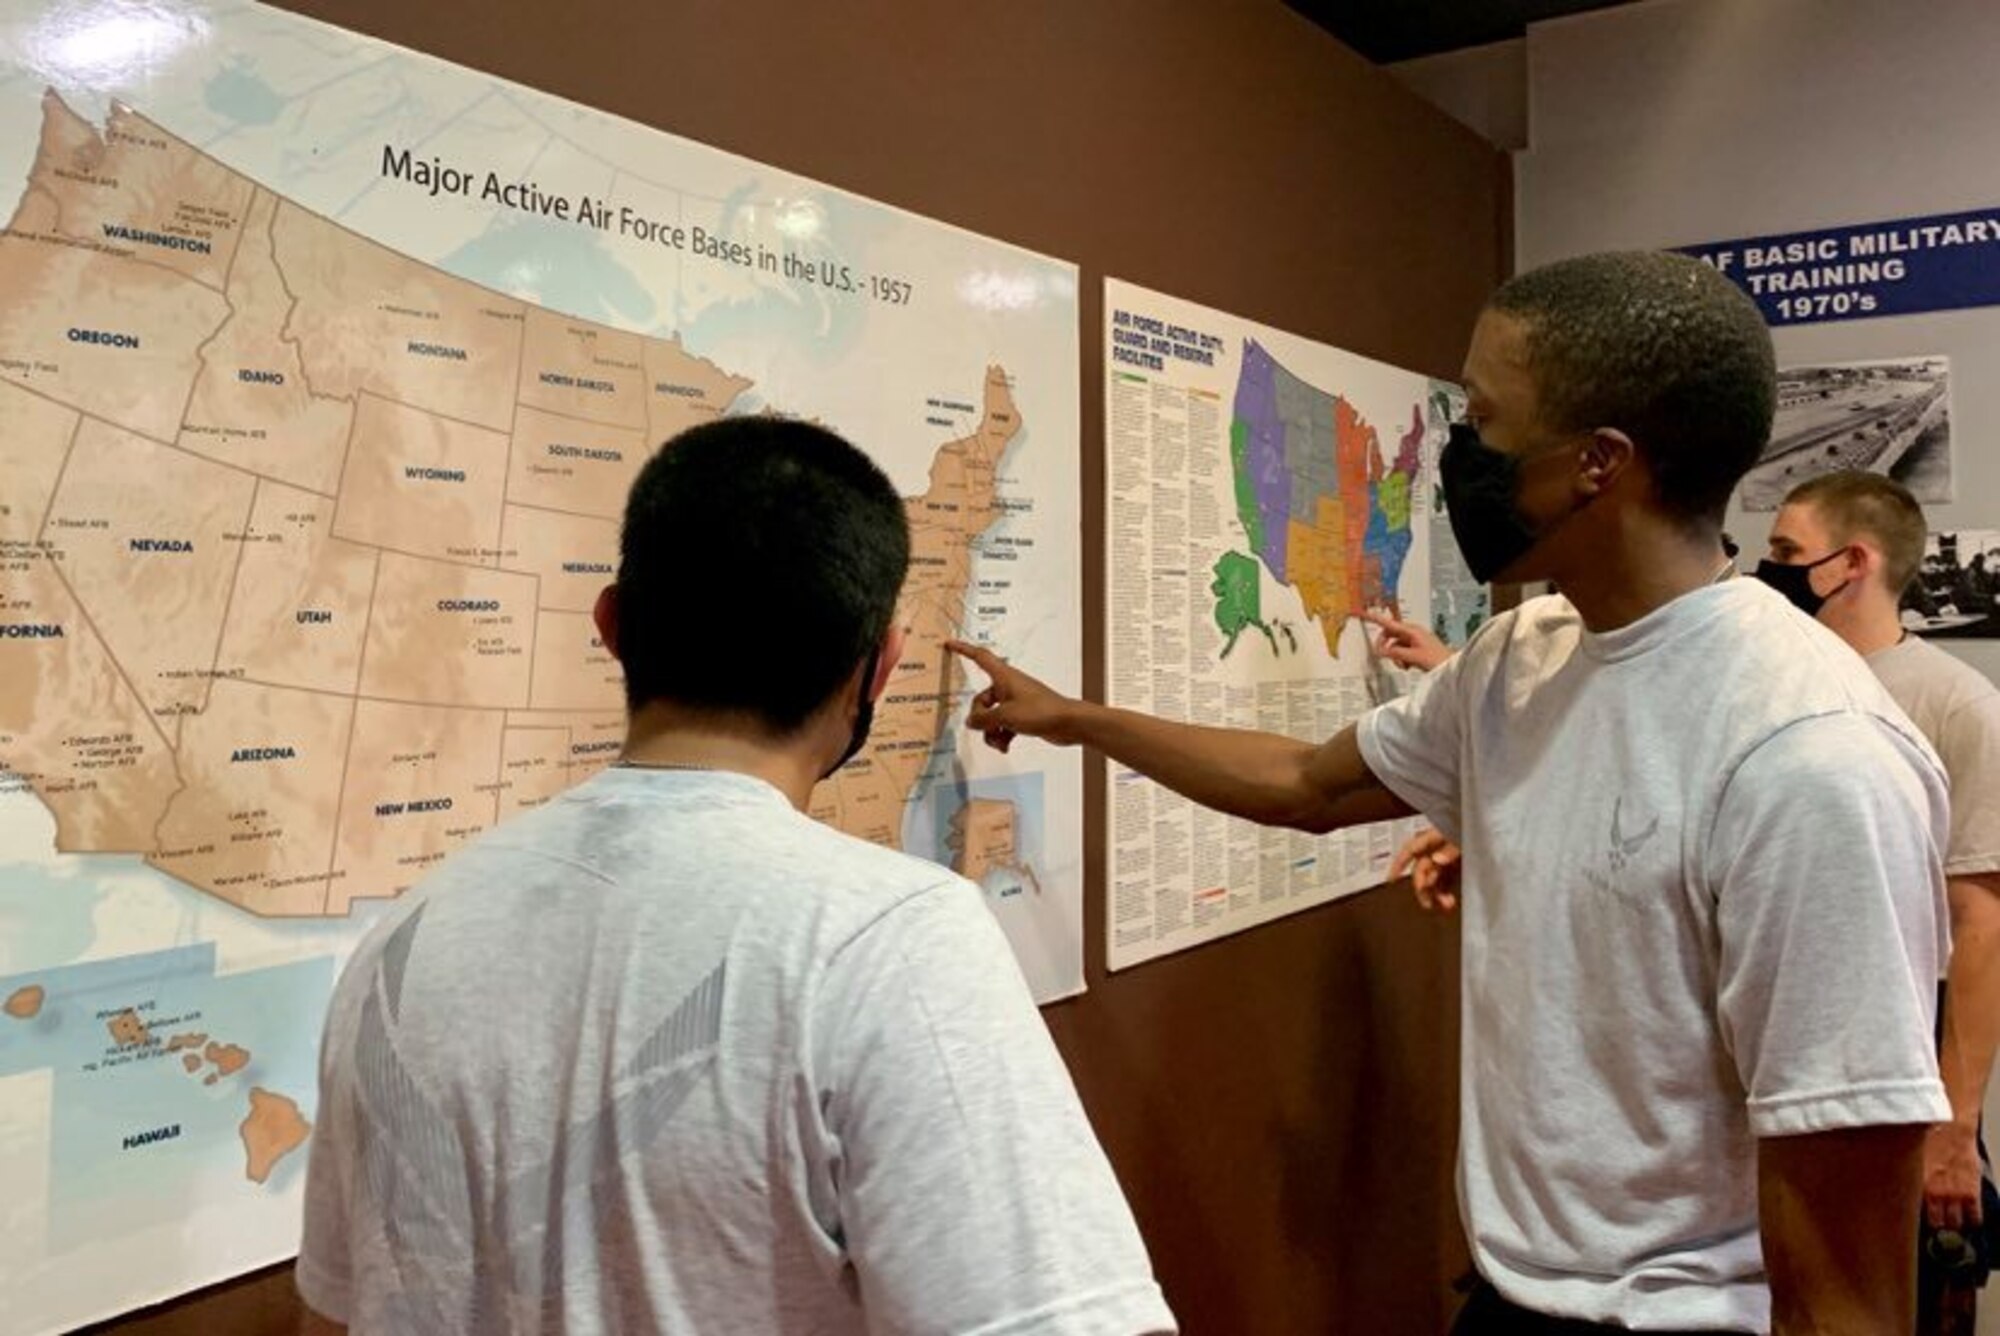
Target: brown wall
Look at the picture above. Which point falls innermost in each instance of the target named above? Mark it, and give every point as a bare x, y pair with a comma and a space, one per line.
1279, 1106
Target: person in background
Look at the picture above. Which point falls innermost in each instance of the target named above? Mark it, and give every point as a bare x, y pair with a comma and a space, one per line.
665, 1054
1843, 548
1686, 811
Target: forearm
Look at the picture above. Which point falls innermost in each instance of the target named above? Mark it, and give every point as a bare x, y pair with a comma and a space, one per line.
1971, 1031
1836, 1211
1264, 777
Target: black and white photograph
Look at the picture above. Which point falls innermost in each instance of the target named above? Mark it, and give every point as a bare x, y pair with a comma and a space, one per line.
1891, 417
1952, 596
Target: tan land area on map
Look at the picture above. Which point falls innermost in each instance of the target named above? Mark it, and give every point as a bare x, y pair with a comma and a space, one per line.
449, 634
25, 1002
273, 1129
299, 614
127, 1030
300, 538
868, 795
573, 556
985, 838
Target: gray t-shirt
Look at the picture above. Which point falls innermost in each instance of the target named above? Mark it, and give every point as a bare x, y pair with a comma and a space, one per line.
1958, 709
1703, 904
667, 1056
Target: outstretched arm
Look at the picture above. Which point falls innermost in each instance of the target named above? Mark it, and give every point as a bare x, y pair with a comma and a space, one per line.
1273, 780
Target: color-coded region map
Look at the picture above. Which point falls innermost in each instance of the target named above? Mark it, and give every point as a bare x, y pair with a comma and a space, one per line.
1265, 491
1322, 510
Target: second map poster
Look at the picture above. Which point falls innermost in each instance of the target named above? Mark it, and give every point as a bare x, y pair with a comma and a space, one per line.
1264, 490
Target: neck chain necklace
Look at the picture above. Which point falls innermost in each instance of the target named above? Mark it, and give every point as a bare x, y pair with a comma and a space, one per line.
627, 763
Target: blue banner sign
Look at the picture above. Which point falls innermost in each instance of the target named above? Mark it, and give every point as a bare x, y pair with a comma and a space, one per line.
1941, 263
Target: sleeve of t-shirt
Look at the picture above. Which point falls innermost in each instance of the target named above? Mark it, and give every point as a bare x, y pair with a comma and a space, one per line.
973, 1197
1412, 744
1829, 889
1969, 743
324, 1273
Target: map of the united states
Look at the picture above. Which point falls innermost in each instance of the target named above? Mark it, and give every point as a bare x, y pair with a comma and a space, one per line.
1324, 512
300, 536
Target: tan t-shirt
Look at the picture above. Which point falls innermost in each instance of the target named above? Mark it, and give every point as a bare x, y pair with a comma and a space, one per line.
1958, 708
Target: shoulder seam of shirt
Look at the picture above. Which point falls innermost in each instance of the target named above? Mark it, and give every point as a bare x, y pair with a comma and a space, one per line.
531, 851
1713, 811
868, 925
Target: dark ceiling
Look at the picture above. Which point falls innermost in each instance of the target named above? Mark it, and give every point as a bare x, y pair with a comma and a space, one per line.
1386, 30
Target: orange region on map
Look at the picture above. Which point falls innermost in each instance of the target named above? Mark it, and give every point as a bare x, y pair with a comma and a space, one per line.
581, 468
25, 1002
421, 483
534, 767
421, 781
98, 328
450, 634
300, 610
189, 1040
252, 404
369, 319
867, 797
1316, 565
138, 191
229, 1059
272, 1129
34, 437
70, 725
147, 538
573, 557
127, 1030
254, 825
596, 737
684, 390
573, 669
984, 838
583, 370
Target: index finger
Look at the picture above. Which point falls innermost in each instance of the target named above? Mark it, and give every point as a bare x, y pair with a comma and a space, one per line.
1375, 617
985, 659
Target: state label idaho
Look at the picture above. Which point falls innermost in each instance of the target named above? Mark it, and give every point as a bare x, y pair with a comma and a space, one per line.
300, 535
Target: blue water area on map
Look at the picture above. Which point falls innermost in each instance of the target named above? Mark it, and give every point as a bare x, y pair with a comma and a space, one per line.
561, 265
44, 917
137, 1139
240, 95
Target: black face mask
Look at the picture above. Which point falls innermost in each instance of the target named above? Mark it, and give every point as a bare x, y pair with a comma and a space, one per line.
864, 714
1481, 487
1795, 582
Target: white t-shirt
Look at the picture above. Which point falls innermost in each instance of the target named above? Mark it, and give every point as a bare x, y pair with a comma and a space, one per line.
667, 1056
1704, 904
1958, 709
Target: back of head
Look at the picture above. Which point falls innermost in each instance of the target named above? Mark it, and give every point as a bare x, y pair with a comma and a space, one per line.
1856, 504
760, 563
1661, 347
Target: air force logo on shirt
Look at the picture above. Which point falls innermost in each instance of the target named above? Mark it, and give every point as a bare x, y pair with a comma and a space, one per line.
1630, 834
1625, 841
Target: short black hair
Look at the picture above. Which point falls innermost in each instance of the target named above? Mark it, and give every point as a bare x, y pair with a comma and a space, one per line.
760, 564
1661, 347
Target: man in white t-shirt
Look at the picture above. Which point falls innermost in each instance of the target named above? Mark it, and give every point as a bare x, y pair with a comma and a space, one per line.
667, 1056
1844, 547
1704, 907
